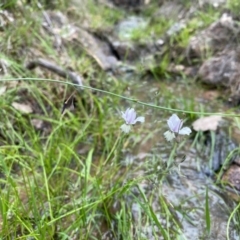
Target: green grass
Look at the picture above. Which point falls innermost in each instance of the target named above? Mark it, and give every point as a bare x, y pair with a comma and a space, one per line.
234, 6
101, 16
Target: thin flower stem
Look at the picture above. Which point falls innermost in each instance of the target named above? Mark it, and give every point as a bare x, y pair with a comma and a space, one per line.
122, 97
172, 155
118, 140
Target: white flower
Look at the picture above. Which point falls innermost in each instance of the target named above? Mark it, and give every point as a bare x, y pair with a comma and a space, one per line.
175, 126
129, 117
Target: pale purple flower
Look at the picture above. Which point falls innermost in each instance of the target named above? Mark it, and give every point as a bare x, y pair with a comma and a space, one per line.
175, 126
130, 118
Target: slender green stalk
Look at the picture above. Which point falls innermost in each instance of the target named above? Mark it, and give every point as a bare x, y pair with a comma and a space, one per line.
213, 140
207, 213
172, 155
116, 144
123, 97
47, 187
229, 220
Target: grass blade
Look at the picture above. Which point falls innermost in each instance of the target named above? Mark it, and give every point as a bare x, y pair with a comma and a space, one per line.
207, 213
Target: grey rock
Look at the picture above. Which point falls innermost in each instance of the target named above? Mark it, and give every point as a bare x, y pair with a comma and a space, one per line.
219, 35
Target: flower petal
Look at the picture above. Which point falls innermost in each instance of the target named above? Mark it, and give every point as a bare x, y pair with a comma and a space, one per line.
125, 128
127, 112
169, 136
123, 116
131, 116
174, 123
185, 131
139, 119
127, 115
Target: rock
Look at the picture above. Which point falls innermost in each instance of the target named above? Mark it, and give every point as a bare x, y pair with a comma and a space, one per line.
221, 70
214, 3
176, 28
232, 177
224, 71
220, 34
126, 28
208, 123
171, 10
122, 40
55, 23
133, 4
125, 50
216, 150
22, 107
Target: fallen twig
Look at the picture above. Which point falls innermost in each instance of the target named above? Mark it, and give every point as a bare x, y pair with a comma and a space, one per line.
74, 77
